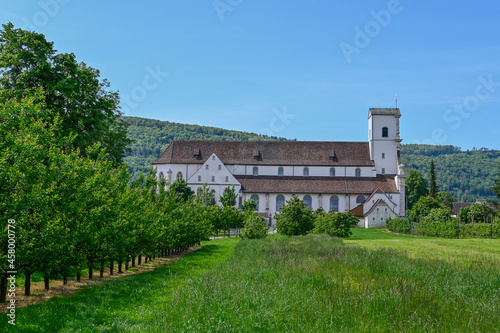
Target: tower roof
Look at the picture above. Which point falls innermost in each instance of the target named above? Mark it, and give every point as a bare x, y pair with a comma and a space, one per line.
384, 112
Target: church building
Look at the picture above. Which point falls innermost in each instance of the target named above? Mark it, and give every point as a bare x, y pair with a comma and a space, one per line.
366, 178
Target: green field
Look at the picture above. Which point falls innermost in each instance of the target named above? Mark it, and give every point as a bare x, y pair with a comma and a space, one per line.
374, 282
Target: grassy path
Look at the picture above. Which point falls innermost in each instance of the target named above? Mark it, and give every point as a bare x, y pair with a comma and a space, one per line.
374, 282
127, 304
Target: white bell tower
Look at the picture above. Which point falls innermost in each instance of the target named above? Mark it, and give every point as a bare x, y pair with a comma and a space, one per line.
384, 140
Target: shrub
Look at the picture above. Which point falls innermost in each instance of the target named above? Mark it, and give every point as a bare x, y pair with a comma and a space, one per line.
335, 224
399, 225
438, 223
483, 230
423, 207
295, 218
254, 227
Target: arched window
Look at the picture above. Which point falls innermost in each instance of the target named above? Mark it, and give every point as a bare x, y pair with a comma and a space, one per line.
332, 172
358, 172
306, 172
280, 172
255, 198
385, 132
255, 171
179, 175
161, 176
280, 200
334, 203
308, 201
360, 199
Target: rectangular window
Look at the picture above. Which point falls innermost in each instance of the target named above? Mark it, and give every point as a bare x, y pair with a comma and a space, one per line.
383, 155
383, 171
199, 178
227, 179
220, 167
213, 178
206, 167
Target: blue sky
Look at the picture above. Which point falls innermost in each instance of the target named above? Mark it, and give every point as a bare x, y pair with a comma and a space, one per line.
300, 69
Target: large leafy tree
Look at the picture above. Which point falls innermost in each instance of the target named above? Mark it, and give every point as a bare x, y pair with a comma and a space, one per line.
72, 91
416, 187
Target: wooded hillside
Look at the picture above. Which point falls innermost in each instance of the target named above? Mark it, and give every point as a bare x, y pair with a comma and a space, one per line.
468, 175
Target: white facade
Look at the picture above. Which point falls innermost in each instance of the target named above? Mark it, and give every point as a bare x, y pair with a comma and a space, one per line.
324, 175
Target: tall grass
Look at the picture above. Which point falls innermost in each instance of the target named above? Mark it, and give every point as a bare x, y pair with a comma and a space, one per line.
298, 284
317, 284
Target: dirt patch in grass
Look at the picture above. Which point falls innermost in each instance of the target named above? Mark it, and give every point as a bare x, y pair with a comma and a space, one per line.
57, 288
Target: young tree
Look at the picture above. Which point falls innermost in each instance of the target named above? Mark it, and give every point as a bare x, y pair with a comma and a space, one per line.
228, 198
249, 206
204, 196
335, 224
255, 227
181, 189
416, 187
433, 190
295, 218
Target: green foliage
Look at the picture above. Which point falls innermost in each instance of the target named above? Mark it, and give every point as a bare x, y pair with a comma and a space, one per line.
294, 218
479, 230
249, 206
438, 223
416, 187
480, 212
72, 91
181, 189
423, 207
232, 217
228, 198
433, 189
335, 224
446, 198
399, 225
254, 227
205, 196
467, 175
496, 186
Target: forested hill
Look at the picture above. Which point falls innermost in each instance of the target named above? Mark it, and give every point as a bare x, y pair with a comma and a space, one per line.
468, 175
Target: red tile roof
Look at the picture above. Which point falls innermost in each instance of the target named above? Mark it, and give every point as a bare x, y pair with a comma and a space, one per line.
309, 153
326, 185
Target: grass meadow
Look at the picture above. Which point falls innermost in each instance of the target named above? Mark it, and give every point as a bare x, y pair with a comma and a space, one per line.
374, 282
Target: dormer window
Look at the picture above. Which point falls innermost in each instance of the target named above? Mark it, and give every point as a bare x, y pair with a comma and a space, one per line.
385, 132
256, 155
197, 153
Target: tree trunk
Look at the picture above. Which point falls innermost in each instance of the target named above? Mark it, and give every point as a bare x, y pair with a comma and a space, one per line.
27, 283
47, 282
133, 261
65, 280
146, 259
78, 275
139, 259
126, 265
101, 271
111, 267
120, 267
3, 288
91, 270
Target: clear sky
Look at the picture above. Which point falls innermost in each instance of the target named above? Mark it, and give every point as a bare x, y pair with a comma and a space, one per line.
305, 69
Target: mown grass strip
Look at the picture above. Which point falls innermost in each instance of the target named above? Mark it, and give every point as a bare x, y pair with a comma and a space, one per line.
122, 305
